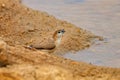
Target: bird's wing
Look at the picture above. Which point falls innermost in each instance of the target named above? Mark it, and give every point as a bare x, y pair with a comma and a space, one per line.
44, 44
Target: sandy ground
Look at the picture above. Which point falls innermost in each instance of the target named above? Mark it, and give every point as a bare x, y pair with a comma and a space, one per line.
21, 26
101, 17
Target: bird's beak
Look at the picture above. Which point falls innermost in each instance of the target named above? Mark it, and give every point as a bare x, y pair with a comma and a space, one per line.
63, 30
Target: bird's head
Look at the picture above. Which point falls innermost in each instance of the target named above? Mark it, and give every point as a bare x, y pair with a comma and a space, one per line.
58, 36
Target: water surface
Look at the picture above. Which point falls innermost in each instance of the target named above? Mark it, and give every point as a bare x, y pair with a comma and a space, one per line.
102, 17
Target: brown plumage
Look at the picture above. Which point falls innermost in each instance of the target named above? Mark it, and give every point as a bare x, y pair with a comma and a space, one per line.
50, 43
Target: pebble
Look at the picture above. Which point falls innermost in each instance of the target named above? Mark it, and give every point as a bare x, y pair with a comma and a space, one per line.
3, 5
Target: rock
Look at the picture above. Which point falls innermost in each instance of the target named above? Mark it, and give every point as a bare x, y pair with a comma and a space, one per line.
3, 46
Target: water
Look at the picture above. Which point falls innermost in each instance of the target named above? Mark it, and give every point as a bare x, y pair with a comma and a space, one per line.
101, 17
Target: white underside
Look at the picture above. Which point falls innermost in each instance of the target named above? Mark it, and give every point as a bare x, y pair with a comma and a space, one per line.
58, 41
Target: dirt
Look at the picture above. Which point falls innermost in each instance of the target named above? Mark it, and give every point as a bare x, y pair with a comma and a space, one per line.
21, 26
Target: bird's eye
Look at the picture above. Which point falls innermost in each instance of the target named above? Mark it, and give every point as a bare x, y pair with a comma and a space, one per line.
59, 32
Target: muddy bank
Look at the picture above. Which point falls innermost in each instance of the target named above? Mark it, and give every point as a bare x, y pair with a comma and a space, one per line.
21, 26
21, 63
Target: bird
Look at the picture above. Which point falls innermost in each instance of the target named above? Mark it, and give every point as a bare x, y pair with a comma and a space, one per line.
50, 43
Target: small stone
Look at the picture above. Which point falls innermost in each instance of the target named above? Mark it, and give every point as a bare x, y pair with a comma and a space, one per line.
3, 46
3, 5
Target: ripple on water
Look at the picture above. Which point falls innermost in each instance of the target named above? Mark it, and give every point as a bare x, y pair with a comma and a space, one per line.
73, 1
